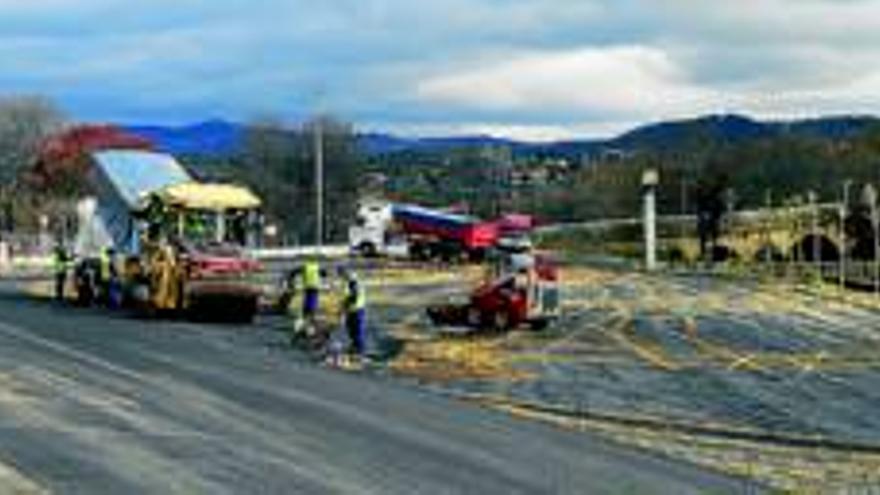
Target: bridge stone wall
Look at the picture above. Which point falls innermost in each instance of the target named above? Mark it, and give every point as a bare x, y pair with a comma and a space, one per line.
774, 234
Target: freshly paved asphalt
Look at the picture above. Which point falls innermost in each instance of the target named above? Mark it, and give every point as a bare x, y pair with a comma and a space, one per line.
97, 403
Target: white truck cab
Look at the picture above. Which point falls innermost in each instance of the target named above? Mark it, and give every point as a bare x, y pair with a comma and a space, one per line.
371, 233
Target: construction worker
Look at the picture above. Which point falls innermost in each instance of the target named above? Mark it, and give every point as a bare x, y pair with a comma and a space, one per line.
60, 263
306, 278
355, 303
106, 264
108, 277
311, 282
114, 285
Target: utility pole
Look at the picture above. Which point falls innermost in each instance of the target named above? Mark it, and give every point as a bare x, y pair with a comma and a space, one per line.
319, 182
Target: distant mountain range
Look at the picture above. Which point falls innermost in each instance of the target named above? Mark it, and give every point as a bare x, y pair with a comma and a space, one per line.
218, 137
213, 137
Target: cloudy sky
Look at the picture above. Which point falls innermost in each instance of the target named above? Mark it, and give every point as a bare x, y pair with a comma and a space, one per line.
533, 69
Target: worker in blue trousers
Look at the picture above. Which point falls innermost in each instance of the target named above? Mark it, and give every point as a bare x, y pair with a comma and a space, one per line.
306, 278
311, 278
355, 304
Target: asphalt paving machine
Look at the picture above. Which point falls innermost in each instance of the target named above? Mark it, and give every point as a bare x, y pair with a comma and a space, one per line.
176, 244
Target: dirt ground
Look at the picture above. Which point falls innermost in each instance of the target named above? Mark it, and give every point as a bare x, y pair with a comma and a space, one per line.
780, 382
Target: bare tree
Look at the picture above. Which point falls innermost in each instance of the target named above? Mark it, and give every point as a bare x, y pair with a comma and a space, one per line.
279, 162
25, 123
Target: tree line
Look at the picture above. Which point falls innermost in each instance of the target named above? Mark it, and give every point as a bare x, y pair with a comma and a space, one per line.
277, 160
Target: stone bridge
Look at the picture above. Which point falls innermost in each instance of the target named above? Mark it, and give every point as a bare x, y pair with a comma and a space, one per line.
807, 233
804, 233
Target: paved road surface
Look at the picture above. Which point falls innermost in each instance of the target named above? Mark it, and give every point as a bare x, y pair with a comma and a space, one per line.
97, 404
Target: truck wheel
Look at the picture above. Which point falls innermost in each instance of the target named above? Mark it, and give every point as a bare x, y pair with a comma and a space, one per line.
446, 255
474, 317
246, 317
368, 250
84, 296
249, 311
477, 255
501, 320
539, 324
418, 252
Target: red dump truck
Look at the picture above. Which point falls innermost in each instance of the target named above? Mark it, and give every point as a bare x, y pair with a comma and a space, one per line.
424, 233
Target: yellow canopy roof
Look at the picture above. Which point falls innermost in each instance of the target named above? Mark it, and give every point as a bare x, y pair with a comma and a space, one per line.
199, 196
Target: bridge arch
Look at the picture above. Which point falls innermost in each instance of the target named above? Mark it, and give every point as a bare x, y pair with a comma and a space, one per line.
723, 252
815, 247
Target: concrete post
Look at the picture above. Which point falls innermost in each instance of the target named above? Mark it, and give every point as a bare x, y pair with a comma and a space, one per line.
220, 227
5, 260
650, 230
650, 179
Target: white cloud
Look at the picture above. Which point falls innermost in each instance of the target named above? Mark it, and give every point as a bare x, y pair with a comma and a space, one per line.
629, 80
756, 21
522, 132
536, 68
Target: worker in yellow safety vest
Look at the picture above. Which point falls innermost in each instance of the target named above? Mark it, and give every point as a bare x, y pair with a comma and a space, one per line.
109, 277
355, 303
311, 282
308, 279
60, 264
106, 260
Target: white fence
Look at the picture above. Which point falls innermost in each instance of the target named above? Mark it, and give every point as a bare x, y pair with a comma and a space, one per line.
24, 253
286, 253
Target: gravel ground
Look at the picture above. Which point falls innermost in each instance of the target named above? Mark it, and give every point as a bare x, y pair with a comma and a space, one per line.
799, 361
